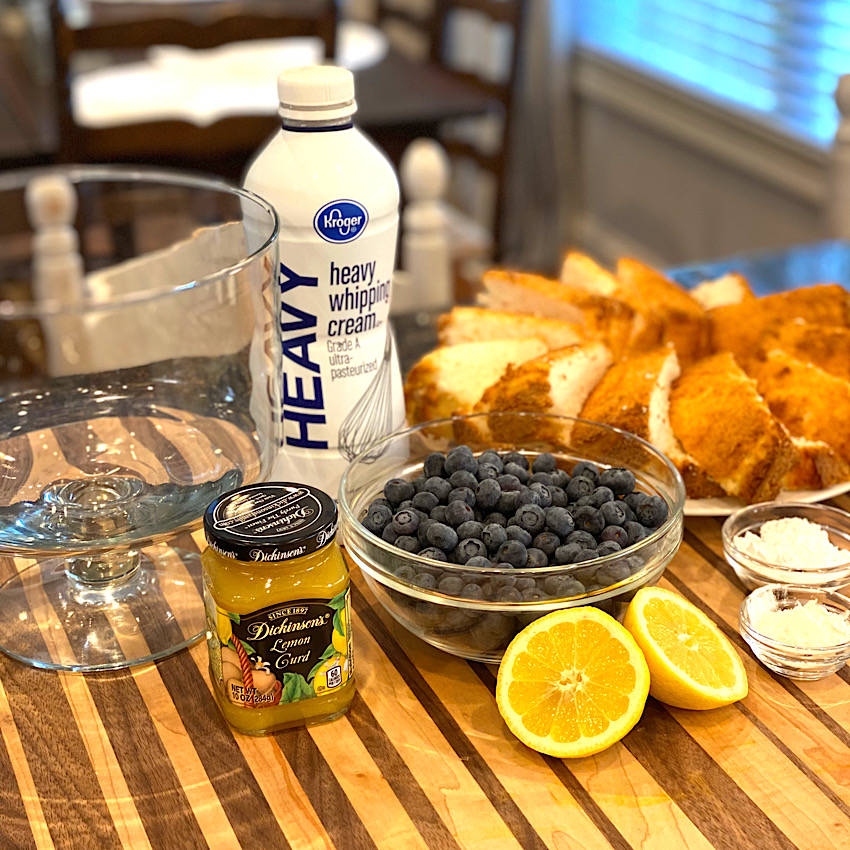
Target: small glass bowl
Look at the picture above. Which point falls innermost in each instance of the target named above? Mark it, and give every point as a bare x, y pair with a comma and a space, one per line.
793, 662
755, 572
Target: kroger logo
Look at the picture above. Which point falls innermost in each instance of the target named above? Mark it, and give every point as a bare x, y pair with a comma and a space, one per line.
341, 221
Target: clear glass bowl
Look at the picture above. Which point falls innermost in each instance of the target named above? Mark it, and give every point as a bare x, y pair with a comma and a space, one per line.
481, 629
791, 661
755, 572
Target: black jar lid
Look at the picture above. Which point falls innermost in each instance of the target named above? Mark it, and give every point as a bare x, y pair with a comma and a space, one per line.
275, 521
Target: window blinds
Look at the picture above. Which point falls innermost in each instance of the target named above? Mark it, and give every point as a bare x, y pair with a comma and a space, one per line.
780, 59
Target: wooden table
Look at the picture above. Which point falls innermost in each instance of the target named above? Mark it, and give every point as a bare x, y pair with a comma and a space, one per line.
422, 760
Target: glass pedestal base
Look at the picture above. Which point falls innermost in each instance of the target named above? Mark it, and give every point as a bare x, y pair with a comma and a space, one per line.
50, 620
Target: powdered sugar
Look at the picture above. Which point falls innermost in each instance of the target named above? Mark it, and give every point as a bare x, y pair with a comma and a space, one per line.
792, 542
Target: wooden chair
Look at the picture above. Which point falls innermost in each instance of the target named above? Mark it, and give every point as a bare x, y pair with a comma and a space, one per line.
123, 30
480, 42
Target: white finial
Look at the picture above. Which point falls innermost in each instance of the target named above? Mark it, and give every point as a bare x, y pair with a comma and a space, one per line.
424, 171
50, 200
838, 207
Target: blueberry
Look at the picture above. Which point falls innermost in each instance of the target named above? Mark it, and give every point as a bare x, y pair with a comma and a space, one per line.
507, 502
543, 492
471, 528
425, 580
464, 494
435, 464
587, 469
546, 542
479, 561
585, 574
389, 533
586, 555
419, 484
600, 496
512, 552
381, 501
536, 558
406, 522
424, 525
486, 472
527, 496
579, 486
517, 532
439, 487
611, 574
518, 472
652, 512
458, 512
507, 594
442, 536
407, 543
472, 591
541, 478
615, 533
377, 518
491, 458
532, 518
503, 581
525, 583
494, 536
425, 501
620, 480
397, 490
589, 519
567, 553
438, 514
405, 572
630, 514
488, 493
608, 547
469, 548
582, 538
560, 478
559, 521
460, 457
635, 499
558, 496
515, 457
509, 483
533, 594
562, 587
495, 518
462, 478
433, 553
544, 462
635, 531
450, 585
614, 512
584, 501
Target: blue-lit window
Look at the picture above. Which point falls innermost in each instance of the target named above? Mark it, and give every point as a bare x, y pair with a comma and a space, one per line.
778, 58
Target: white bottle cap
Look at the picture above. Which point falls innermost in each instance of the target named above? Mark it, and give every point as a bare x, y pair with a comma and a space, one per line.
316, 92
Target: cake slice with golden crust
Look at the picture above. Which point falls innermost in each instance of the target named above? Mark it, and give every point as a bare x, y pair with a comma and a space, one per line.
731, 288
452, 378
810, 402
722, 421
634, 395
609, 319
684, 321
557, 382
818, 466
826, 346
476, 324
740, 328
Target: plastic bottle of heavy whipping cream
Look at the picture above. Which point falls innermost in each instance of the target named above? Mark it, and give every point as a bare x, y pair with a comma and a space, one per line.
337, 197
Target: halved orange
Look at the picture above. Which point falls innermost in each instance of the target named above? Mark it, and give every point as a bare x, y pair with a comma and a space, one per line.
692, 664
572, 683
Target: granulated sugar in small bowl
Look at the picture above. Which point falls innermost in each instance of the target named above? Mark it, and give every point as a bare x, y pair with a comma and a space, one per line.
789, 543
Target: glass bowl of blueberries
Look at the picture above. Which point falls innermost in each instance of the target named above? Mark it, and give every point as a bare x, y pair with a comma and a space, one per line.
468, 529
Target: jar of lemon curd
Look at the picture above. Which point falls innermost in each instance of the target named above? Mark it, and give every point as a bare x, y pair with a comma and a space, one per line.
276, 590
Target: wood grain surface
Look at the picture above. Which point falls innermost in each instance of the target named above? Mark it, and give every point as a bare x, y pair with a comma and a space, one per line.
142, 759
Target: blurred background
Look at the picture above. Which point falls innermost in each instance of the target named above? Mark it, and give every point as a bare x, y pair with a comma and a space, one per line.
670, 130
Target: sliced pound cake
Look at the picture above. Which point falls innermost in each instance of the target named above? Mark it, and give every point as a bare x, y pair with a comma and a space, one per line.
722, 421
474, 324
558, 382
826, 346
634, 395
731, 288
452, 378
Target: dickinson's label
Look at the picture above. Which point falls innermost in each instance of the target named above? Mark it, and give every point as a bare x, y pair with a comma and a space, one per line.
284, 653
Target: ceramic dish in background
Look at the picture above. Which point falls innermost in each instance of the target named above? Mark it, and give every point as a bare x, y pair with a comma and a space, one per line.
755, 572
480, 629
791, 659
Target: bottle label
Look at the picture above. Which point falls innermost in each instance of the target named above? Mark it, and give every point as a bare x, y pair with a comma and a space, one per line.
341, 221
283, 653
